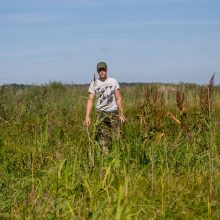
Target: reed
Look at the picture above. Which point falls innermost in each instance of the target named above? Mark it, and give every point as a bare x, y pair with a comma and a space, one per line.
165, 166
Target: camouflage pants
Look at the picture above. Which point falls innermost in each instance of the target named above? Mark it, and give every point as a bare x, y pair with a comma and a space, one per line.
107, 129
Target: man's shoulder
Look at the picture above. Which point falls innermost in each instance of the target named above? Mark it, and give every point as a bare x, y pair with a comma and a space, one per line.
112, 79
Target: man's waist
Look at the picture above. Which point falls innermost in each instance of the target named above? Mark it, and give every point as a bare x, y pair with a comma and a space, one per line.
107, 112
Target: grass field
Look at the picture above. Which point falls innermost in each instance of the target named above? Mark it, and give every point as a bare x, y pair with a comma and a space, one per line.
166, 165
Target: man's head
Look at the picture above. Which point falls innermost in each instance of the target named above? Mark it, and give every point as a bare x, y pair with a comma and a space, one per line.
102, 70
101, 65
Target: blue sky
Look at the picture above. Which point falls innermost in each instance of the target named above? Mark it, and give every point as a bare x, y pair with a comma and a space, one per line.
141, 40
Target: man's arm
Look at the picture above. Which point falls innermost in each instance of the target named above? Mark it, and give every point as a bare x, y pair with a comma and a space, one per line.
119, 104
89, 108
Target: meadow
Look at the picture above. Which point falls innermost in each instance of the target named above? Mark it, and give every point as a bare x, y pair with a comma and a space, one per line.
165, 166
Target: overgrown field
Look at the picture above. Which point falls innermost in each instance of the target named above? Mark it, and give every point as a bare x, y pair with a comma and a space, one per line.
166, 165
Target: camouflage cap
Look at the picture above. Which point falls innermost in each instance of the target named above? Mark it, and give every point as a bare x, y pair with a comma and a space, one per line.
101, 65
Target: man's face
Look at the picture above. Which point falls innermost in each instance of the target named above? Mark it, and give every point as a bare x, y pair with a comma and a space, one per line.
102, 73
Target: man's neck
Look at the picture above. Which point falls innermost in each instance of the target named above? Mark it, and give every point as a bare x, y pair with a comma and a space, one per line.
103, 79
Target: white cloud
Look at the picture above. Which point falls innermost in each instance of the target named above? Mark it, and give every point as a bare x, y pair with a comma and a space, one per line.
28, 17
137, 24
168, 23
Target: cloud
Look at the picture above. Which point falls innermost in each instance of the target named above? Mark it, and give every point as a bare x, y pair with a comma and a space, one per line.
137, 24
28, 17
168, 23
89, 2
36, 17
105, 2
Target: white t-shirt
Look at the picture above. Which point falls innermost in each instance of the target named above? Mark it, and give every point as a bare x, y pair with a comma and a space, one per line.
105, 92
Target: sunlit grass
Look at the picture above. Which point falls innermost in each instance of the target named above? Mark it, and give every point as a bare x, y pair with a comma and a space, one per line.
166, 165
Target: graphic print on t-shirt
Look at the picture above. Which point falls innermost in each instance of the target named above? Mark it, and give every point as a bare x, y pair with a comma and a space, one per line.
105, 95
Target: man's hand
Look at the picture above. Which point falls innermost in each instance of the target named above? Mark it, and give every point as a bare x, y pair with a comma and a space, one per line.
119, 104
88, 109
122, 118
87, 122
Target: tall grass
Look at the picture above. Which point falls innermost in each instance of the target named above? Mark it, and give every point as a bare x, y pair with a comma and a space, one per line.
166, 165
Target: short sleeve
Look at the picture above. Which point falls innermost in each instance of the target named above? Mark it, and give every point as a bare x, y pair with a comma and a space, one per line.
92, 88
116, 85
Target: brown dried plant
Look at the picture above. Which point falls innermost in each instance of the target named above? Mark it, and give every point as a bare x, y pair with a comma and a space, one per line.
2, 89
206, 97
180, 100
151, 113
180, 122
152, 107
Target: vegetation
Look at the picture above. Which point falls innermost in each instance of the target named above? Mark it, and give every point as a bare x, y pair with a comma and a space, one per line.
166, 165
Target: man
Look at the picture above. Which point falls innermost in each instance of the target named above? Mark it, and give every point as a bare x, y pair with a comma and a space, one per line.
109, 107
